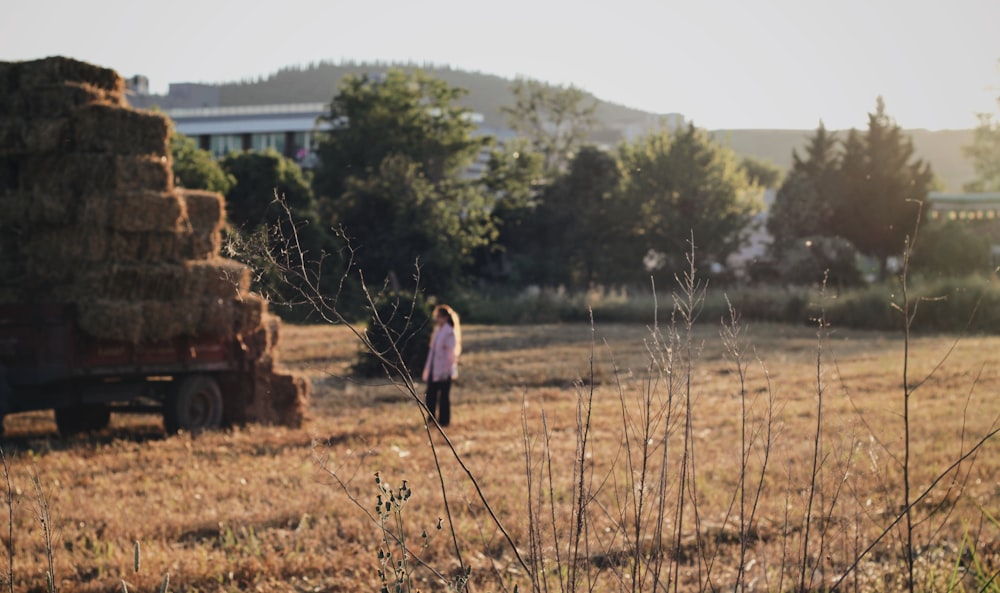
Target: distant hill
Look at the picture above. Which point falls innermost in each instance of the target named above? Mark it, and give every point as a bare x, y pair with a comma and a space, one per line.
318, 82
488, 93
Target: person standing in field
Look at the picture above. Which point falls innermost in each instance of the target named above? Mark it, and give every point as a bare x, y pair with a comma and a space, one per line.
442, 362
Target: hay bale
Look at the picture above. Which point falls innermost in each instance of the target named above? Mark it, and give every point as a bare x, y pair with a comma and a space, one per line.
16, 76
111, 319
20, 136
65, 246
128, 247
249, 312
278, 398
168, 320
109, 129
76, 176
206, 210
56, 100
206, 213
137, 212
215, 279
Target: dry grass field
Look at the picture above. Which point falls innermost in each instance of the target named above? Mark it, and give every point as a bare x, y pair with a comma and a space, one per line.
270, 509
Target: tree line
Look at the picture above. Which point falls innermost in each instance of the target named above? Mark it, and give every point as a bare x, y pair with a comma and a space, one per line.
405, 181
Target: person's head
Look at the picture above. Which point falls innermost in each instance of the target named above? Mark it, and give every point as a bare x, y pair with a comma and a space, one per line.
444, 314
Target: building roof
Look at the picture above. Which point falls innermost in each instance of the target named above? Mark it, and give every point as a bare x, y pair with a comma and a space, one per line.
249, 119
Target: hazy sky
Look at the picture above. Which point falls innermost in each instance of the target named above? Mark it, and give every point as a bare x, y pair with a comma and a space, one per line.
724, 64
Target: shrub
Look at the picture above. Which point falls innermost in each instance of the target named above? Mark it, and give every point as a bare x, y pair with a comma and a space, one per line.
950, 248
805, 262
398, 321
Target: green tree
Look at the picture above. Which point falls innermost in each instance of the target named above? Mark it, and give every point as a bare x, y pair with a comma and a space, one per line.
761, 172
985, 155
951, 248
513, 180
410, 115
803, 204
398, 217
880, 187
250, 202
392, 175
555, 119
578, 231
275, 241
682, 185
195, 168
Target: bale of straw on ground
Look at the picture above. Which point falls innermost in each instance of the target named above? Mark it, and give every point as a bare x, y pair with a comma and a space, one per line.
109, 129
19, 136
279, 397
76, 176
55, 100
17, 76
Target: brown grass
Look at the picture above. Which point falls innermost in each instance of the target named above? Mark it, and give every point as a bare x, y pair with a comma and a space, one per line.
250, 509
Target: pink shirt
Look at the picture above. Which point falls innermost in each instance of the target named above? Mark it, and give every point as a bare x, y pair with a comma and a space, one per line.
441, 360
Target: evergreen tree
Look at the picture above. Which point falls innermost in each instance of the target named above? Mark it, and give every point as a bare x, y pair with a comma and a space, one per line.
577, 233
985, 155
803, 204
880, 188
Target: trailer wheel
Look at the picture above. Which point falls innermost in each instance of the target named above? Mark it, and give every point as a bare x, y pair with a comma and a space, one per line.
82, 418
194, 404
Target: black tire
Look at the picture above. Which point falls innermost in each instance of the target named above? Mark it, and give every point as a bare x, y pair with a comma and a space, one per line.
194, 404
82, 418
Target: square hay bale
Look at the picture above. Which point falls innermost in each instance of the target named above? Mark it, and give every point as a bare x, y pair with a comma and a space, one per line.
19, 136
107, 129
249, 313
279, 397
33, 210
217, 316
10, 295
167, 320
56, 100
218, 277
64, 246
206, 210
167, 282
110, 319
13, 209
46, 71
10, 175
206, 214
136, 211
82, 175
177, 247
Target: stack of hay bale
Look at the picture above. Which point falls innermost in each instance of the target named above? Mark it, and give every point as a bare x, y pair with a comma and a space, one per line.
89, 215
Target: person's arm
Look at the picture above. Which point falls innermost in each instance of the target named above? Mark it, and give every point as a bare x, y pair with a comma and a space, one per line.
449, 349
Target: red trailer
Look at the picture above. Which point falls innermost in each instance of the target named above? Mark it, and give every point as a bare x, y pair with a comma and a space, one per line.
47, 363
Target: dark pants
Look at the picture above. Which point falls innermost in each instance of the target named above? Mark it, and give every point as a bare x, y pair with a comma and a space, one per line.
437, 400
